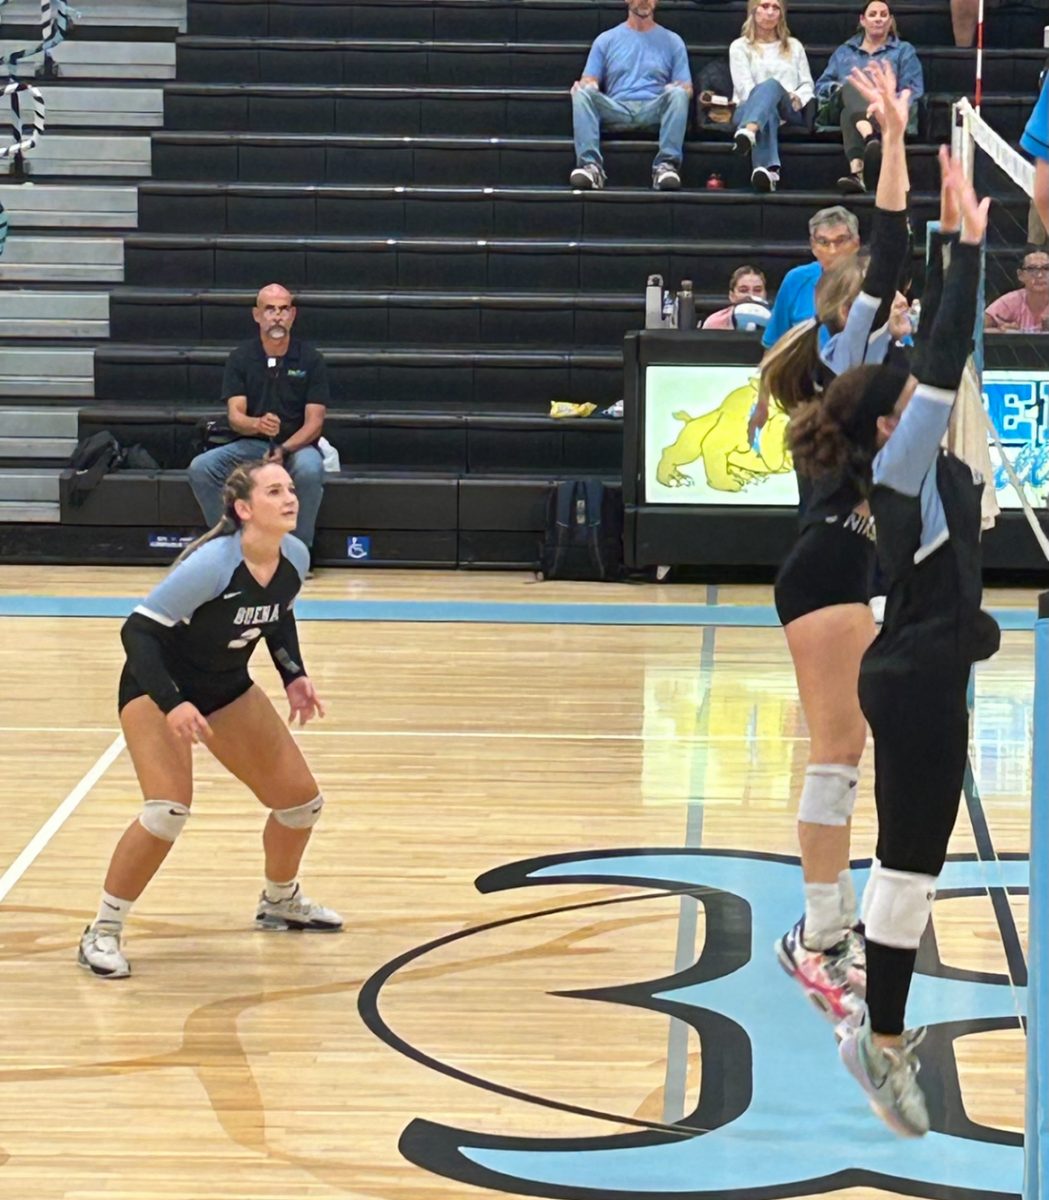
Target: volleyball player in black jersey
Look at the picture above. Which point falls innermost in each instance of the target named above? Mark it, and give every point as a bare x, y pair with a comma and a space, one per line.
883, 430
824, 585
186, 680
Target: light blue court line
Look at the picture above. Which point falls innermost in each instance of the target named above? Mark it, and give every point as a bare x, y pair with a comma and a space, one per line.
477, 612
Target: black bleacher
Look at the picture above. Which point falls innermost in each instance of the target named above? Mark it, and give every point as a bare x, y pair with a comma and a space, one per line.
403, 166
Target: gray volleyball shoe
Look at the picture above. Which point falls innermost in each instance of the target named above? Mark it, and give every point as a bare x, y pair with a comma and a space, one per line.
889, 1076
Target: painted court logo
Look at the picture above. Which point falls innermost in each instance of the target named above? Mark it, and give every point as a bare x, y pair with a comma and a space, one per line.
776, 1116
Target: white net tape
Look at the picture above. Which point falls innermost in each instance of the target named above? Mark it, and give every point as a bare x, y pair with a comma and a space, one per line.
969, 132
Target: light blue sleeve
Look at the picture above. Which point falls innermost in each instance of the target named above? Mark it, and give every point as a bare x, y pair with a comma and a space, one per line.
193, 582
680, 71
909, 74
829, 82
779, 318
297, 554
1035, 138
595, 60
904, 461
855, 344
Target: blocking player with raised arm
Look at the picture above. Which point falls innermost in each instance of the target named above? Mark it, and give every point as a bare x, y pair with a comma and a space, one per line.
186, 681
885, 430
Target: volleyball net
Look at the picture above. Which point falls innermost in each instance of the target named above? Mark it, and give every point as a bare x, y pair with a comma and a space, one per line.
1013, 363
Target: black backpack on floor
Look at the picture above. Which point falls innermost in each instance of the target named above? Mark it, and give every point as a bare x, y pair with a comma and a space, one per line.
584, 533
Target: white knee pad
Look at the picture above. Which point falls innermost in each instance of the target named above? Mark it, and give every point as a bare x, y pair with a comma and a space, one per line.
897, 906
302, 816
829, 794
868, 891
164, 819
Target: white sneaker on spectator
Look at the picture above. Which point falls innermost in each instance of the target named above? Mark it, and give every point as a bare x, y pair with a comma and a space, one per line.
744, 140
665, 178
764, 179
589, 175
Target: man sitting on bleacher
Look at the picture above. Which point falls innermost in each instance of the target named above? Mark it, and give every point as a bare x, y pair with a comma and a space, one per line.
276, 392
636, 77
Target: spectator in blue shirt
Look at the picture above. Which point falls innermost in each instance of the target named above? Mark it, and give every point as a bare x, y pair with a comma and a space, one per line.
875, 40
833, 233
636, 77
1035, 141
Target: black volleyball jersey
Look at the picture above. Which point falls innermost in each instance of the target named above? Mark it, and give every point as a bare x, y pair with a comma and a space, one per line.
202, 622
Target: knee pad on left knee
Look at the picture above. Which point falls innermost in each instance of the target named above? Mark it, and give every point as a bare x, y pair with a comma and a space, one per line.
829, 794
302, 816
898, 907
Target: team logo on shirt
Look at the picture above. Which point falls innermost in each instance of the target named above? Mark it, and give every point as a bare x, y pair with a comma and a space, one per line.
776, 1114
260, 614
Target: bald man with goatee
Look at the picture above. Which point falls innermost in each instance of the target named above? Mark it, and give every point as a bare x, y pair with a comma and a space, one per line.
275, 388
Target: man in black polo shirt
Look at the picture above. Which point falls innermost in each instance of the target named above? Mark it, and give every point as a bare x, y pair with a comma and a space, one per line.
276, 393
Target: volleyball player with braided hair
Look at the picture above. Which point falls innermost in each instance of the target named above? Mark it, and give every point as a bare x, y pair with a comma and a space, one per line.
824, 585
186, 681
883, 430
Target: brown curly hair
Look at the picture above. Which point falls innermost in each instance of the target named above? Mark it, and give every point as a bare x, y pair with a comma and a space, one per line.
838, 434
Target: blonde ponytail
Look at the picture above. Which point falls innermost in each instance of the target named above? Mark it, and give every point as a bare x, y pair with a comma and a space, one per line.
238, 486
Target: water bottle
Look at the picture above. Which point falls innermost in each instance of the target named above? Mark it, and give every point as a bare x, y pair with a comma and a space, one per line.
669, 310
654, 302
686, 306
915, 315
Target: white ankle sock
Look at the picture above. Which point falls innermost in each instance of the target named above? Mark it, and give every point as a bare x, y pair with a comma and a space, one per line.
823, 923
113, 910
847, 898
276, 892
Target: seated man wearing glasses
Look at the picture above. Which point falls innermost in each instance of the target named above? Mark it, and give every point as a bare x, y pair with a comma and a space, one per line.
276, 393
1027, 309
833, 233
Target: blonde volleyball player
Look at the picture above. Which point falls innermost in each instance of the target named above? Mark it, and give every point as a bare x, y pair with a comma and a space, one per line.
186, 681
884, 430
824, 585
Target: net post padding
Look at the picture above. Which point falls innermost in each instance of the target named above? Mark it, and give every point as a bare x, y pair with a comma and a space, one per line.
1036, 1122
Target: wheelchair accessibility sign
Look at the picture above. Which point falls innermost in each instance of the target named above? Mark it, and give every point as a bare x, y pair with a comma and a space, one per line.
776, 1114
358, 548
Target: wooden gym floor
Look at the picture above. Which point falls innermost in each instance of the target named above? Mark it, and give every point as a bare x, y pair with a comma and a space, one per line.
563, 851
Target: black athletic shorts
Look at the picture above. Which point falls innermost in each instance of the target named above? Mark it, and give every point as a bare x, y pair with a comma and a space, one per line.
829, 564
209, 694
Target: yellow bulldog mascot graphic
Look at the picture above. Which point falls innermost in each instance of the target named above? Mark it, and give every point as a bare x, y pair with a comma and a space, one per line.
719, 438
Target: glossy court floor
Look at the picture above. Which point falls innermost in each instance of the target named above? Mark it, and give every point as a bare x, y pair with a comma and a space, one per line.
560, 826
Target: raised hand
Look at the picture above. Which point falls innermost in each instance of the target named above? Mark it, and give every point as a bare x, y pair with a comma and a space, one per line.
876, 83
951, 176
974, 213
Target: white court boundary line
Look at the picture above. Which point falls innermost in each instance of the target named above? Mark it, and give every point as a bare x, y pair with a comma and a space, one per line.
59, 817
489, 734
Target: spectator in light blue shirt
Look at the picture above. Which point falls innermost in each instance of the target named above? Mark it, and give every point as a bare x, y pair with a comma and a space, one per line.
876, 40
636, 77
833, 233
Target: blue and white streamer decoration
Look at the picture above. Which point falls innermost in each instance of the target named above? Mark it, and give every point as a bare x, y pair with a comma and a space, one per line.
26, 100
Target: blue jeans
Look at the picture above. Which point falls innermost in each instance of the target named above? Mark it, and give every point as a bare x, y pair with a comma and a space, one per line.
766, 106
209, 471
592, 108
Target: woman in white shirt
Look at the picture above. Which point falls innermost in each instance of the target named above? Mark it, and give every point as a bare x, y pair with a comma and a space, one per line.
771, 86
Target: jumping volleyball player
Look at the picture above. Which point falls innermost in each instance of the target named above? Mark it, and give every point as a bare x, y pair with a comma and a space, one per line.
882, 430
824, 586
186, 680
